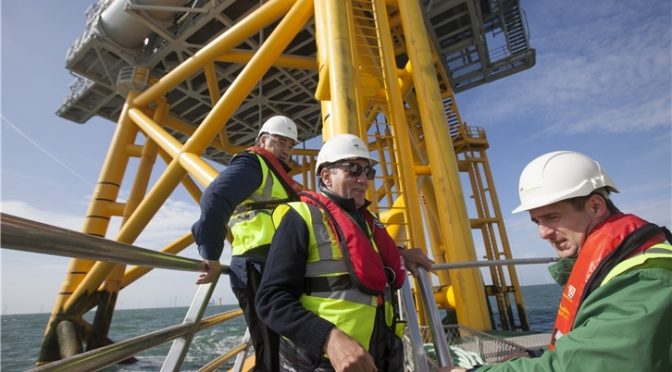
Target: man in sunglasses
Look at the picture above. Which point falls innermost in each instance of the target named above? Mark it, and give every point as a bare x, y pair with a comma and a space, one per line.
243, 196
332, 272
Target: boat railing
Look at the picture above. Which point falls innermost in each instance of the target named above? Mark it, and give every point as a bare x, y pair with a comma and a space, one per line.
434, 319
29, 236
513, 261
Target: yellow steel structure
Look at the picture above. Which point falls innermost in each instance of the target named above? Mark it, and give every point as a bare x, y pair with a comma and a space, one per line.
379, 78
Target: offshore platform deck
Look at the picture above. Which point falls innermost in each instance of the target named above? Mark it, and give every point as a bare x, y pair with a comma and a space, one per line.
477, 42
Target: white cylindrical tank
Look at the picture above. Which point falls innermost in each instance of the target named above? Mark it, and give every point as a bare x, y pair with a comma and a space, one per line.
128, 30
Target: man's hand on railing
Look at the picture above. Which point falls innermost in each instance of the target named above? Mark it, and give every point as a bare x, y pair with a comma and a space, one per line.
211, 270
414, 257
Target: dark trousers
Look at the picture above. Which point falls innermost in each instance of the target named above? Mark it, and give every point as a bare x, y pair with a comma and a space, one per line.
265, 341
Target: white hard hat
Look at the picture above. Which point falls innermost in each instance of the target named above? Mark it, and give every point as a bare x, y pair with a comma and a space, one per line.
280, 126
557, 176
340, 147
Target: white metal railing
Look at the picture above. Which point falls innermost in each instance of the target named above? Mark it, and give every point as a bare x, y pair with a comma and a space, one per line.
436, 327
513, 261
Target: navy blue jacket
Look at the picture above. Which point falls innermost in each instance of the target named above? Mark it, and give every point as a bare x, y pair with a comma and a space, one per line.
231, 187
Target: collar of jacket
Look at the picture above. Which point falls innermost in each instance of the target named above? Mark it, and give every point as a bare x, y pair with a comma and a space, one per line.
286, 167
347, 205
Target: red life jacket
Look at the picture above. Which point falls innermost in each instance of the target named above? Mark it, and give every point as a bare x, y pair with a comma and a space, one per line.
291, 186
602, 241
366, 257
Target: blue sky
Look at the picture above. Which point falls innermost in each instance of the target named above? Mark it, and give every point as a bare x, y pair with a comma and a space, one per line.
602, 85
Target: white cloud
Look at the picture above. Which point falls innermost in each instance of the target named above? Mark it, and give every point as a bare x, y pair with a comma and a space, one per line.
22, 209
605, 69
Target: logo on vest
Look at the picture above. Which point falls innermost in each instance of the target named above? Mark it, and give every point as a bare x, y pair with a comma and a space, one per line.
571, 291
378, 224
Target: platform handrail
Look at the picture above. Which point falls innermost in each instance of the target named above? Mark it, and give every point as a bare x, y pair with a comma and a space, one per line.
411, 317
30, 236
434, 319
119, 351
513, 261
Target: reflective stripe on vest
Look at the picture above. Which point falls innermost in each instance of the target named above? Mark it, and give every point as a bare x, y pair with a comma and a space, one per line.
658, 251
328, 255
352, 295
253, 228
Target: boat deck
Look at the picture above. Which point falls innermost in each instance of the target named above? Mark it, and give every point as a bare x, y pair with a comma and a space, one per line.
532, 341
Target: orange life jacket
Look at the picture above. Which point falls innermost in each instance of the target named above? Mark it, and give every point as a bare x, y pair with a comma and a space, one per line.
601, 251
367, 253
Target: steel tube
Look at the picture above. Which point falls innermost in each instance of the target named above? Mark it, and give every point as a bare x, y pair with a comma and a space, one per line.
117, 352
435, 325
514, 261
30, 236
106, 356
419, 355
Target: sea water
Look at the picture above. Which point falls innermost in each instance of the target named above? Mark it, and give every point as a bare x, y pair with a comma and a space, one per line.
21, 335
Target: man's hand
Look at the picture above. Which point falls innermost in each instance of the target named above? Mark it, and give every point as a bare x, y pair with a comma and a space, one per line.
346, 354
414, 257
211, 270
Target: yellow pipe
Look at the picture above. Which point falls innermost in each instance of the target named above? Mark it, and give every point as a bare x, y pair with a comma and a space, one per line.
195, 165
283, 61
266, 14
513, 275
134, 150
219, 143
361, 77
342, 115
142, 175
422, 170
130, 231
187, 181
136, 272
153, 131
199, 169
101, 270
393, 219
453, 217
211, 81
106, 192
322, 91
445, 297
115, 209
434, 229
408, 188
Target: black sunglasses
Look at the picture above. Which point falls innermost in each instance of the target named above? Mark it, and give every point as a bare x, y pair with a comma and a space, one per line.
356, 170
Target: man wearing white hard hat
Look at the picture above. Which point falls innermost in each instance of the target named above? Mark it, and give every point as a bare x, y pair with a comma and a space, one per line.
244, 196
615, 313
333, 270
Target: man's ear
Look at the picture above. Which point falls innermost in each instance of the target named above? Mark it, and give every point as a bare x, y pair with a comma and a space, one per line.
261, 139
597, 205
325, 176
